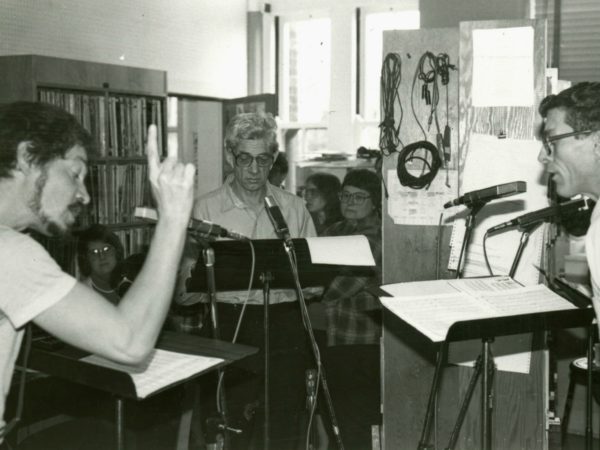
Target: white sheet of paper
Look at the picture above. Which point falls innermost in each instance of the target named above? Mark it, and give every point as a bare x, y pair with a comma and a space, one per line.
340, 250
491, 161
161, 369
503, 67
407, 206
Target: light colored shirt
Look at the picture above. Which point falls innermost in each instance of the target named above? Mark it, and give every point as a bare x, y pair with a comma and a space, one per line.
30, 283
224, 208
592, 250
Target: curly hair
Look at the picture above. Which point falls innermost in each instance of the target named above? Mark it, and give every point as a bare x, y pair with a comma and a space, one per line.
581, 103
329, 187
247, 126
49, 131
98, 233
367, 180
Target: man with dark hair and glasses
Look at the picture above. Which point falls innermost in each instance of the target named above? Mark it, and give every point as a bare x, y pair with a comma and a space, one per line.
251, 149
571, 154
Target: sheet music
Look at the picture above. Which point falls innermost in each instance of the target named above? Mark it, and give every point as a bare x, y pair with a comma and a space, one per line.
340, 250
433, 315
161, 369
526, 300
501, 283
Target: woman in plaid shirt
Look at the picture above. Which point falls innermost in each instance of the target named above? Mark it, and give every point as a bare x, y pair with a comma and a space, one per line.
353, 315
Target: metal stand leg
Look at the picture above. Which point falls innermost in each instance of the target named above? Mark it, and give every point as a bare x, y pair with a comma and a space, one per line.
120, 423
484, 365
588, 391
266, 280
423, 441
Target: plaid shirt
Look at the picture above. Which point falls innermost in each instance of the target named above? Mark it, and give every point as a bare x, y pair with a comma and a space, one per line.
353, 314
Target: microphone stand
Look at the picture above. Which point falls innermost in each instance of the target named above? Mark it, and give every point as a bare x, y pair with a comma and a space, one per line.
469, 226
522, 243
291, 253
266, 278
208, 255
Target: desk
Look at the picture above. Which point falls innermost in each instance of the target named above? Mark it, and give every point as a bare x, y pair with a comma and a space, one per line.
66, 364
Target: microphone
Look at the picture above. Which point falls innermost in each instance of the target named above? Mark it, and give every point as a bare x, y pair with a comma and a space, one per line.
544, 214
491, 193
277, 219
201, 228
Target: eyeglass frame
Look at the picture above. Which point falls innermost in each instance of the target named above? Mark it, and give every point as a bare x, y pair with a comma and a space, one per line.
357, 197
98, 252
548, 140
236, 156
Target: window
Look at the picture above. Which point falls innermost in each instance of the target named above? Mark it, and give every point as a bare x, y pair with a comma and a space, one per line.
373, 25
306, 60
579, 41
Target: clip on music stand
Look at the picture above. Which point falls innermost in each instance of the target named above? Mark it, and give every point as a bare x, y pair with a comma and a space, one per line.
233, 261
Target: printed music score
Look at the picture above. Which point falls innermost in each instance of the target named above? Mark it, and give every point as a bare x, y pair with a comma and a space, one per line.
161, 369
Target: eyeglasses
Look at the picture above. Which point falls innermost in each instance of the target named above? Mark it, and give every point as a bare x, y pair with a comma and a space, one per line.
357, 198
548, 140
97, 252
244, 159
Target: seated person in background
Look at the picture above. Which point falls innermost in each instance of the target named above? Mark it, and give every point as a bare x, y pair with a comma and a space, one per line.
321, 193
99, 252
279, 170
353, 315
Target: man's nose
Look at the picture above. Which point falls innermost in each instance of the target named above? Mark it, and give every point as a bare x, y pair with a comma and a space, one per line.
253, 167
82, 195
543, 156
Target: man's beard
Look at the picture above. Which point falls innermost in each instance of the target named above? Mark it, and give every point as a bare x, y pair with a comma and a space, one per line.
49, 226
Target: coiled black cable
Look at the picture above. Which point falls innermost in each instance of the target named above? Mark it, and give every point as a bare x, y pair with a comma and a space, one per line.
410, 154
391, 77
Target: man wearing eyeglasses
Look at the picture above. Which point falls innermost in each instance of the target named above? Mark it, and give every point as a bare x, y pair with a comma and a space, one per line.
571, 154
251, 149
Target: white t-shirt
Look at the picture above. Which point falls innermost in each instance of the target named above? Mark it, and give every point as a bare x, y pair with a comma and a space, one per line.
30, 283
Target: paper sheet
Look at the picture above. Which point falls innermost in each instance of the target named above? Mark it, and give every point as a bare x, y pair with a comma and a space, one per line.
407, 206
163, 368
503, 67
341, 250
433, 315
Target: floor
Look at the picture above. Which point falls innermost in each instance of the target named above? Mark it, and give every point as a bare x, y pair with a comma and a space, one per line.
81, 419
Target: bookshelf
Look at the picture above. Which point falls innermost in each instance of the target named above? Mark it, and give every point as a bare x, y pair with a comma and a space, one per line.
115, 104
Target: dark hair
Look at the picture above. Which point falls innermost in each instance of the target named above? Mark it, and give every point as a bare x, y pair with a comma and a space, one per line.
367, 180
251, 126
581, 103
99, 233
280, 164
329, 188
49, 131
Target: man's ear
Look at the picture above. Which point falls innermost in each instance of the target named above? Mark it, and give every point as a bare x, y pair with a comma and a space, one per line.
275, 153
229, 157
24, 157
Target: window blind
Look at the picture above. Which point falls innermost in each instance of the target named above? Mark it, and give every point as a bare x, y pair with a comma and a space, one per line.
578, 32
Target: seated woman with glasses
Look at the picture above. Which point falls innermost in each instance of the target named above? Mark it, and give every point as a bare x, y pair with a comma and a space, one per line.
353, 316
321, 193
99, 253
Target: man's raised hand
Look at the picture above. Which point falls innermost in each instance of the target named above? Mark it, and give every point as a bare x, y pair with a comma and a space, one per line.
172, 182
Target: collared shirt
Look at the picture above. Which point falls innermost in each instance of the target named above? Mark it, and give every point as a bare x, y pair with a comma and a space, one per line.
354, 314
222, 206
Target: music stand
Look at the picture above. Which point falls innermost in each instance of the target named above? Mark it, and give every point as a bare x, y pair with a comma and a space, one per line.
233, 262
486, 330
